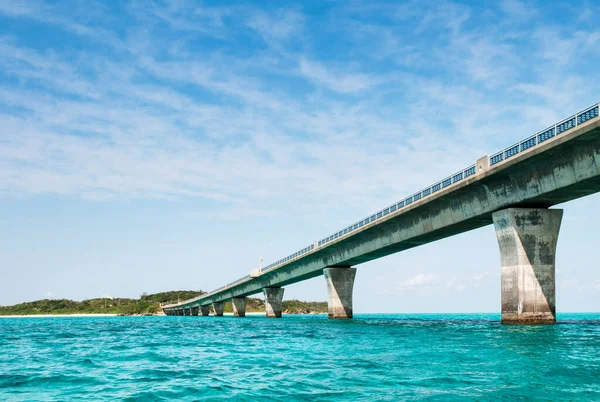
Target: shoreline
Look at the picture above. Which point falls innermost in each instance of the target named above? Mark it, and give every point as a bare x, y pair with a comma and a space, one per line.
57, 315
254, 313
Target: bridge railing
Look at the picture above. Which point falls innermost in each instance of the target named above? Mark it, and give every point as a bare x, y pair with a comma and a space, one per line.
529, 142
544, 135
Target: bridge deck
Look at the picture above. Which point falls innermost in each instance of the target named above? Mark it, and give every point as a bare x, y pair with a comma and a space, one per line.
558, 164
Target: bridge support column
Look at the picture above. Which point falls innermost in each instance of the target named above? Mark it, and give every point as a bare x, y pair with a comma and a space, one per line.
218, 307
239, 306
340, 282
205, 310
273, 299
187, 311
527, 239
180, 312
194, 311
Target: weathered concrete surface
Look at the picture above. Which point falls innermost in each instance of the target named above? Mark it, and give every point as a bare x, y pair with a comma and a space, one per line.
273, 300
218, 308
340, 282
558, 170
205, 310
195, 311
239, 306
527, 238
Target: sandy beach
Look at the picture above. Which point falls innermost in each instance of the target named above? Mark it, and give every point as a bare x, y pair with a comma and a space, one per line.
57, 315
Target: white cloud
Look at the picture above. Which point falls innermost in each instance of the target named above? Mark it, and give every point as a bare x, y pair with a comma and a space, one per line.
418, 281
336, 80
278, 26
517, 9
466, 281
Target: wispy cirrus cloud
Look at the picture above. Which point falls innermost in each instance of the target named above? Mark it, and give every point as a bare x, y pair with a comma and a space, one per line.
419, 281
336, 80
168, 117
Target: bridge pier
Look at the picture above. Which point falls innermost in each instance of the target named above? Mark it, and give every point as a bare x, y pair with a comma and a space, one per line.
194, 311
218, 307
205, 310
527, 238
180, 312
273, 299
187, 311
340, 281
239, 306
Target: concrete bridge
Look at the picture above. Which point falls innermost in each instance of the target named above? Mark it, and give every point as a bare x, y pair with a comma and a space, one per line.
513, 189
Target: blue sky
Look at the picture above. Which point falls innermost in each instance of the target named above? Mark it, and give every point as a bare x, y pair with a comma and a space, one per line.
149, 146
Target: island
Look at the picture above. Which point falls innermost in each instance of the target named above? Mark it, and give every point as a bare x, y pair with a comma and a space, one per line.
147, 304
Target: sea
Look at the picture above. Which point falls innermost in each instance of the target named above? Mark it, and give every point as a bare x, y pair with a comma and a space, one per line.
299, 358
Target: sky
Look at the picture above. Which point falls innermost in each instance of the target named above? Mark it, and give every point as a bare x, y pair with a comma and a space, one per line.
148, 146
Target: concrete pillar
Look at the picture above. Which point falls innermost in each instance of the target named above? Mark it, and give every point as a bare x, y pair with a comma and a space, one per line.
180, 312
187, 311
218, 307
239, 306
527, 238
340, 282
273, 298
195, 311
205, 310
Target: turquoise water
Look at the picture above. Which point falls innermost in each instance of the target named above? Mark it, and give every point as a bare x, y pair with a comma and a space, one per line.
373, 357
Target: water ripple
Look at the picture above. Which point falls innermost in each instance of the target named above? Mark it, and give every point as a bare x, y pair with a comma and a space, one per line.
374, 357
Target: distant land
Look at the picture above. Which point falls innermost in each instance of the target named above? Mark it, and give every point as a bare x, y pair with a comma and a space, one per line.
146, 304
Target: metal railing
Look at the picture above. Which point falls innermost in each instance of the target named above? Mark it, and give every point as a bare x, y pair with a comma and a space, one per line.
544, 135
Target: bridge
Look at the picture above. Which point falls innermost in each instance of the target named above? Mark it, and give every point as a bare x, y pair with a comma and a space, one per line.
512, 189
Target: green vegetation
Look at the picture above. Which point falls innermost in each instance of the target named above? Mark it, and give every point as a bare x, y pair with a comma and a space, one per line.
288, 306
146, 304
